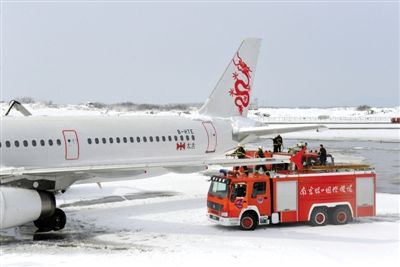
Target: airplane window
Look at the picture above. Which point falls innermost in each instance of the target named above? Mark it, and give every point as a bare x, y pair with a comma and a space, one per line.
8, 144
111, 140
0, 144
42, 142
125, 140
118, 140
138, 139
89, 141
157, 139
163, 138
96, 140
181, 137
193, 137
59, 142
33, 142
16, 143
187, 138
50, 142
25, 143
104, 140
176, 138
144, 139
151, 138
131, 139
169, 138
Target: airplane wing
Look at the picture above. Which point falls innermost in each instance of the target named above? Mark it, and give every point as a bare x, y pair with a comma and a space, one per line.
226, 162
242, 133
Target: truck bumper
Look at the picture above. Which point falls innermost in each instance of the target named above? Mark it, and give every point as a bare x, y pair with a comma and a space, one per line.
222, 220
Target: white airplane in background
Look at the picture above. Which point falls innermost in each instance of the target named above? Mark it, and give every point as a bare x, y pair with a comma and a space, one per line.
41, 155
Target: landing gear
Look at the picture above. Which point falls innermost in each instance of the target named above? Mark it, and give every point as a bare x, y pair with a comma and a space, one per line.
54, 222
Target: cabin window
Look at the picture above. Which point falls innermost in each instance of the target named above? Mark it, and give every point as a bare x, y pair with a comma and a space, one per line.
138, 139
163, 138
16, 143
151, 138
111, 140
118, 140
131, 139
193, 137
125, 140
8, 144
104, 140
42, 143
89, 141
157, 139
96, 140
50, 142
144, 139
181, 137
187, 138
169, 138
58, 142
33, 142
176, 138
25, 143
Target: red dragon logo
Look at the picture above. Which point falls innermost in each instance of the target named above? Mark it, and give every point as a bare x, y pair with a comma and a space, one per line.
241, 90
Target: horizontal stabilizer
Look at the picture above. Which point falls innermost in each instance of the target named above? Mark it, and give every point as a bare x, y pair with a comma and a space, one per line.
242, 133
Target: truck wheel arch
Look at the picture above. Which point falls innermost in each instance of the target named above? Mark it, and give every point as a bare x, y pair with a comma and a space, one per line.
250, 208
330, 206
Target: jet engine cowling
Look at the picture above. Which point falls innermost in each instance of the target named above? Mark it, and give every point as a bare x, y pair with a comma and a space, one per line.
19, 206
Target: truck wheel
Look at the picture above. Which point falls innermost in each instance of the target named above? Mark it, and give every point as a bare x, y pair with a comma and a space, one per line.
248, 221
319, 216
340, 215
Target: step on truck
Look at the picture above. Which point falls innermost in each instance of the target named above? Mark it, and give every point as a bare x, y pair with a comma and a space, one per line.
318, 196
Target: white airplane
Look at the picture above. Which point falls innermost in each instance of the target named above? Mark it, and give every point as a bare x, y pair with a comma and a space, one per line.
43, 154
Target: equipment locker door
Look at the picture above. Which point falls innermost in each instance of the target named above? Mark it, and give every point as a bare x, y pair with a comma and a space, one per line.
365, 199
71, 144
212, 136
286, 200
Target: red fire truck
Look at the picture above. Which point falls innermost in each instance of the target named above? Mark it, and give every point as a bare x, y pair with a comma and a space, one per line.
318, 196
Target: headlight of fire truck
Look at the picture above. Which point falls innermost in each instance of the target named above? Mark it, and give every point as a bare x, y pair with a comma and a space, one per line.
224, 214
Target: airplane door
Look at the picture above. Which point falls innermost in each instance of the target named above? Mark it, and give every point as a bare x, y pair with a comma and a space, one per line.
212, 136
71, 144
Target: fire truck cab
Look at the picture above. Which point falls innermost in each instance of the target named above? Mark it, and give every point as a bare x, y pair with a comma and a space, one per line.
318, 197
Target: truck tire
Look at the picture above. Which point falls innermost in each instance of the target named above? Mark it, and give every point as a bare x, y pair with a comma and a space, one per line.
249, 221
340, 215
319, 216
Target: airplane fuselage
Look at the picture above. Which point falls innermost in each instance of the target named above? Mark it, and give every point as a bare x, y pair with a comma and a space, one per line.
102, 140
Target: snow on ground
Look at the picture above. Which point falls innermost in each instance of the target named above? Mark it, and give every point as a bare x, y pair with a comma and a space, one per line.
174, 231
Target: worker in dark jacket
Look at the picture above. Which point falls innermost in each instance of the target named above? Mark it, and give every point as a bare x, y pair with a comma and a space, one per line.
240, 153
322, 155
279, 143
260, 154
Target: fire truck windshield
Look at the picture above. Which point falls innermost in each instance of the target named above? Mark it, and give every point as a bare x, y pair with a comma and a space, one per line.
218, 189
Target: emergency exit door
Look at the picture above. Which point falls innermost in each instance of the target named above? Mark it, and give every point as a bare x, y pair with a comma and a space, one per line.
212, 136
71, 143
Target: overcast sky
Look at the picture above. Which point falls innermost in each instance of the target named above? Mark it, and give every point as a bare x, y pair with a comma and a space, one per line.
313, 53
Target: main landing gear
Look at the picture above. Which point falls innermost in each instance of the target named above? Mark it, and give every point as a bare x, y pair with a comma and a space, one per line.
51, 218
54, 222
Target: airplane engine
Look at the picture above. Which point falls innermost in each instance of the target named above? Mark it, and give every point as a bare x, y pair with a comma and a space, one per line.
19, 206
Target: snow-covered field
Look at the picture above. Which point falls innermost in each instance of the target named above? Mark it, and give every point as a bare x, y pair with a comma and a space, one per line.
125, 223
162, 220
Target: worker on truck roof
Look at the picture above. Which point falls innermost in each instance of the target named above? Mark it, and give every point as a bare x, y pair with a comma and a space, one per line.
260, 154
322, 155
240, 153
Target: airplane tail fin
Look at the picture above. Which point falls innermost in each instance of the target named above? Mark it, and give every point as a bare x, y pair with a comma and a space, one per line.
232, 94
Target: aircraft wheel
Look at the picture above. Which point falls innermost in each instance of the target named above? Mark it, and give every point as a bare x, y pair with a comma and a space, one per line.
54, 222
